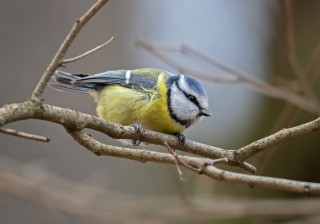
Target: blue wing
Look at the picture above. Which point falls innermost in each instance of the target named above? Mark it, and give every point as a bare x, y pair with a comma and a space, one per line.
135, 79
119, 77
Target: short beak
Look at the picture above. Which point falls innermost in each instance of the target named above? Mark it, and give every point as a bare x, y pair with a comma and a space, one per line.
205, 112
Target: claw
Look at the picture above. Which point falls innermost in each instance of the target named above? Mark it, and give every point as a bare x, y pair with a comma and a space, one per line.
181, 138
137, 128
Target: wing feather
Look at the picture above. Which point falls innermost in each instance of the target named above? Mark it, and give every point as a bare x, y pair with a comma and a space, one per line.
137, 79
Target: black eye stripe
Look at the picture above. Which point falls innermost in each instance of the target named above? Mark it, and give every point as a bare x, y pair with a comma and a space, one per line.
193, 98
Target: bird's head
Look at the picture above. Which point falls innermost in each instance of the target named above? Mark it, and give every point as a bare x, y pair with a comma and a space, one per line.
187, 100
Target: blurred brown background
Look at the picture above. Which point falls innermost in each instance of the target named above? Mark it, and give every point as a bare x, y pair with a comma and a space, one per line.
247, 35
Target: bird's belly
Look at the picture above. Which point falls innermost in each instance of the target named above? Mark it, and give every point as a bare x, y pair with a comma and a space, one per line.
120, 105
126, 106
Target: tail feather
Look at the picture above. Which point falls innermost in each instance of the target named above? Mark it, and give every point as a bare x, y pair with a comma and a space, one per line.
66, 81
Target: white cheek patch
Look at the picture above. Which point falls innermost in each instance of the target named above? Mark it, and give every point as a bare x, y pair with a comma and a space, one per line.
182, 108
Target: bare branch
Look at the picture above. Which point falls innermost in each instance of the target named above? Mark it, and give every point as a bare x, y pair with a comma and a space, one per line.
161, 53
78, 120
75, 122
69, 60
277, 138
312, 69
205, 165
309, 105
285, 119
178, 160
71, 119
57, 60
292, 54
268, 182
290, 39
24, 135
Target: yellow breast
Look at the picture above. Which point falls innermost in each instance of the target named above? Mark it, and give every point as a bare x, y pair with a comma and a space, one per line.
127, 106
155, 115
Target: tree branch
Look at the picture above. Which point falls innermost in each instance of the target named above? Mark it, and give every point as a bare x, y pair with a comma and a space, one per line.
24, 135
278, 138
57, 60
75, 122
290, 39
302, 102
312, 68
69, 60
206, 166
291, 52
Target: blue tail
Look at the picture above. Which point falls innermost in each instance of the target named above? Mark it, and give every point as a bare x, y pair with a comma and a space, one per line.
66, 81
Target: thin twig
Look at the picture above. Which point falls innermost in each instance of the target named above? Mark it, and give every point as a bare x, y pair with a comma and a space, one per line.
290, 39
24, 135
69, 60
287, 117
57, 60
269, 182
247, 166
311, 106
161, 53
260, 86
277, 138
312, 68
177, 159
292, 54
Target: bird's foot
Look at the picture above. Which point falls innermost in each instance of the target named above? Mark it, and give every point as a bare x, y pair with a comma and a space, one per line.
138, 129
181, 138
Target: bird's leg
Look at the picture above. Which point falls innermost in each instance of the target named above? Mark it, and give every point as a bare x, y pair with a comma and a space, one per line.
137, 128
181, 138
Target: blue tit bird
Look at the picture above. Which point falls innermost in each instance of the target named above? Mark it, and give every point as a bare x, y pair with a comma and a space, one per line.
155, 99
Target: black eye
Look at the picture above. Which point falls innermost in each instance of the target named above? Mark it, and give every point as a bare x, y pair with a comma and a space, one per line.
192, 98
